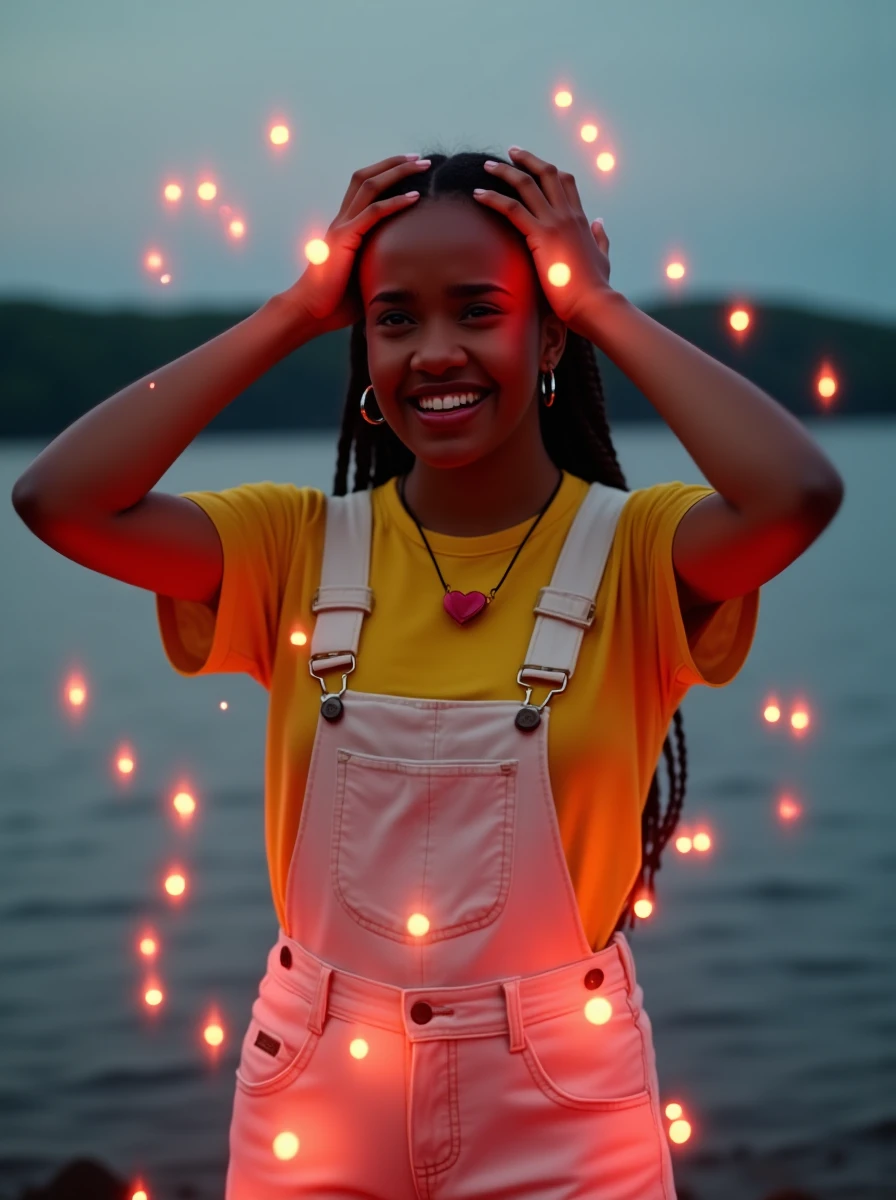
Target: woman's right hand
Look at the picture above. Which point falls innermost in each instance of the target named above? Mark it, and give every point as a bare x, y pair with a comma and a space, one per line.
320, 295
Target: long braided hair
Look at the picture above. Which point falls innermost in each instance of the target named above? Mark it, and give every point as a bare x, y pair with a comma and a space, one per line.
576, 436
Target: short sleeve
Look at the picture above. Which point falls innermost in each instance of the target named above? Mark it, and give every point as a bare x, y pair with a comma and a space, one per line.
714, 652
260, 526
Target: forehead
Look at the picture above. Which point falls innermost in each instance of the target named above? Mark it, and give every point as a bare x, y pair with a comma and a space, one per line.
442, 243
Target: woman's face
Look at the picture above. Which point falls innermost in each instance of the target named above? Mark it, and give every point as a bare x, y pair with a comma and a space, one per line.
493, 340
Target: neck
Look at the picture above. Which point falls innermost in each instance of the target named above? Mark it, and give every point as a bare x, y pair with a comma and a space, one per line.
481, 497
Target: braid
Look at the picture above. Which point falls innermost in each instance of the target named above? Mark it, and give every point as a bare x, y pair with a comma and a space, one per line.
577, 438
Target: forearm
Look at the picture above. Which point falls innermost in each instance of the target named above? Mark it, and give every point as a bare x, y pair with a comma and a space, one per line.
750, 449
108, 459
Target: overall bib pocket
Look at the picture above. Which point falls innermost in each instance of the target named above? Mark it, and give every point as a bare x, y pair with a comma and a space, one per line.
423, 836
278, 1045
580, 1064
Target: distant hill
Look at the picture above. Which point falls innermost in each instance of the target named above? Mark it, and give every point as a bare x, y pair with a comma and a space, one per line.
58, 362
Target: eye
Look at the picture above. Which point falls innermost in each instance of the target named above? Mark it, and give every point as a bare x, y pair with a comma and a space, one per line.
486, 308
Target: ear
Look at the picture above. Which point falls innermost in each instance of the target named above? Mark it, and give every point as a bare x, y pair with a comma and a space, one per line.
553, 337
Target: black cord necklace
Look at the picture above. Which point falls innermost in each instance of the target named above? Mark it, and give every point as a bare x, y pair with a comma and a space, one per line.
463, 606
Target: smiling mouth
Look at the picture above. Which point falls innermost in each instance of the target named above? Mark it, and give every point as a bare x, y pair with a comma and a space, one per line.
416, 402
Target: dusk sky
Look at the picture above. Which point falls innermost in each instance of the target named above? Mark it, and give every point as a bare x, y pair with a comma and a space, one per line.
755, 140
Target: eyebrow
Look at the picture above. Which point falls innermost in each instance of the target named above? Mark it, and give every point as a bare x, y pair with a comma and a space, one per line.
457, 289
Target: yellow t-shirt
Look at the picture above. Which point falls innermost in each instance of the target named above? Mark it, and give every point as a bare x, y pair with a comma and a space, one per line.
607, 728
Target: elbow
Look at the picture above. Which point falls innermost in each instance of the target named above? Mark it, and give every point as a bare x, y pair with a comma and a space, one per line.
823, 496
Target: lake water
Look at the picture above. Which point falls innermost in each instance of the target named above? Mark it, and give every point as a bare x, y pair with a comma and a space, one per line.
769, 967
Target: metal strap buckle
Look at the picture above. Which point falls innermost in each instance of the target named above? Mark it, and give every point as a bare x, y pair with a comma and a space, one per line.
332, 654
553, 692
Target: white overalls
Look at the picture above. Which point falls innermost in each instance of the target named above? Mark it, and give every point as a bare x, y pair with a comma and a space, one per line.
435, 1025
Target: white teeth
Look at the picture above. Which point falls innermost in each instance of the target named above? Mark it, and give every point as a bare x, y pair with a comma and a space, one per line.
440, 403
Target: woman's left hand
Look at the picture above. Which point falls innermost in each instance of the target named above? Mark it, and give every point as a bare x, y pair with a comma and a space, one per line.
557, 231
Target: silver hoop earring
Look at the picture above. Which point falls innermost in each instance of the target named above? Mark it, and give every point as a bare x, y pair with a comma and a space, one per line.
368, 419
548, 403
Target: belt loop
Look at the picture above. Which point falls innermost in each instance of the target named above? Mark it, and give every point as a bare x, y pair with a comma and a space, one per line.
318, 1013
514, 1014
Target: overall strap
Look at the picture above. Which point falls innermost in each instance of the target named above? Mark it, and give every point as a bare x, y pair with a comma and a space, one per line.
565, 609
344, 597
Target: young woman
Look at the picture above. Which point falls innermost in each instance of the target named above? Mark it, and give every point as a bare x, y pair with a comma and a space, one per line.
461, 797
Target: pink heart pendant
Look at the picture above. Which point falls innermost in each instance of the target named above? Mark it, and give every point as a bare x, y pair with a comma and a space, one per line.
463, 605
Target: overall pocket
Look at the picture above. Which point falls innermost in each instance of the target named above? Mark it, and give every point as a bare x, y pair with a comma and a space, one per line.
579, 1064
278, 1045
430, 836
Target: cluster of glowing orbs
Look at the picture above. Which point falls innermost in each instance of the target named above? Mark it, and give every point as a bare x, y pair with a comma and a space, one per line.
800, 717
278, 135
418, 924
285, 1145
358, 1048
298, 637
207, 190
563, 98
173, 192
559, 274
184, 805
679, 1130
175, 884
643, 907
701, 842
317, 251
588, 133
598, 1010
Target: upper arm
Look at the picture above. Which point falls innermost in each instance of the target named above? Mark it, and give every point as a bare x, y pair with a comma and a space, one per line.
719, 552
164, 543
